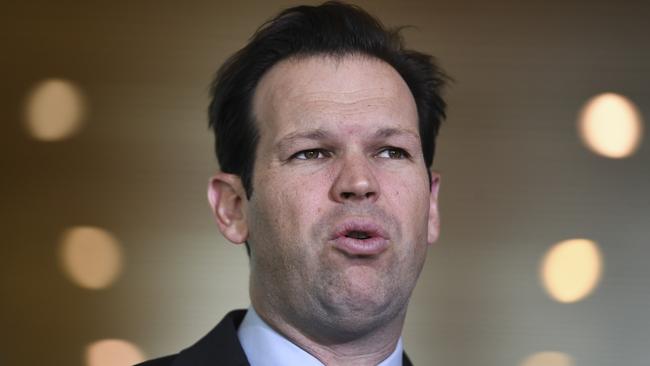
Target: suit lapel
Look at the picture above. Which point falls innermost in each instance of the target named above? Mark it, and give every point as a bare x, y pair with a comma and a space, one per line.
219, 347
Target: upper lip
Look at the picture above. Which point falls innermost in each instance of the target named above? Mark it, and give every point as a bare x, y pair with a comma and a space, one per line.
367, 226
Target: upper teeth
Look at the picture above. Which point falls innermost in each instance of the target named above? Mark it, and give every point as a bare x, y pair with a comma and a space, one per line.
358, 235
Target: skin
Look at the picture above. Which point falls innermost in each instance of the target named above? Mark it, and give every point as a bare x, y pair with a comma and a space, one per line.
339, 143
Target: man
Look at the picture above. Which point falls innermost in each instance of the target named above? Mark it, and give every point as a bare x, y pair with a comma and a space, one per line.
325, 130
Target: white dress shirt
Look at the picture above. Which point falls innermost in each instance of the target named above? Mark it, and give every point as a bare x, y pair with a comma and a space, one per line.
266, 347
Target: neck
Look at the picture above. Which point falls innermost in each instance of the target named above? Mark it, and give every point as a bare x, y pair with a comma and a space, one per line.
363, 349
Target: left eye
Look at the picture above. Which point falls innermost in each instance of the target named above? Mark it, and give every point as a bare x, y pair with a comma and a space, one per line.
392, 153
310, 154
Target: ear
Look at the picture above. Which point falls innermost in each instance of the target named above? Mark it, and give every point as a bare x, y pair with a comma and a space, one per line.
228, 201
434, 215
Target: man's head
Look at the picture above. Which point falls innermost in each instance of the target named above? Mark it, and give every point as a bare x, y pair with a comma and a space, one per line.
332, 29
329, 135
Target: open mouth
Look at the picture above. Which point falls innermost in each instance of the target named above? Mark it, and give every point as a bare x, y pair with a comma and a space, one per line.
360, 238
361, 235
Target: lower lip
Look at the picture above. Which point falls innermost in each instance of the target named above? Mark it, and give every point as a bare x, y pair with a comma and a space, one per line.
359, 247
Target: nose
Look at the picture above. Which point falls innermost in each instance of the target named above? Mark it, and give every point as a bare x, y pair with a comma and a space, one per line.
355, 181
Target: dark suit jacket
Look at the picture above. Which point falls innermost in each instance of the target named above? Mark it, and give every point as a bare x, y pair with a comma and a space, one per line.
220, 347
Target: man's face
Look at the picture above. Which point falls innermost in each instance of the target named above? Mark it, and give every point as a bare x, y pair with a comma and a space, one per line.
342, 209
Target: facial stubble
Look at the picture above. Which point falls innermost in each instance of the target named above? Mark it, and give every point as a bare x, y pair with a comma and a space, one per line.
325, 294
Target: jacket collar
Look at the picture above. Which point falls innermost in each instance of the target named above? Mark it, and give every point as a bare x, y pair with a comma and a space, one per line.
221, 346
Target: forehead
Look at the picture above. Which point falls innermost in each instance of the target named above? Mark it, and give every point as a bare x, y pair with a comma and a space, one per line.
327, 92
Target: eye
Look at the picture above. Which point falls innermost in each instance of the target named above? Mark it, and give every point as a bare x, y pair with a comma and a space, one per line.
311, 154
393, 153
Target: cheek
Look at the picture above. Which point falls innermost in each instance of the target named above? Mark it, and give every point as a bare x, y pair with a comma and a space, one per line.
407, 194
407, 198
295, 201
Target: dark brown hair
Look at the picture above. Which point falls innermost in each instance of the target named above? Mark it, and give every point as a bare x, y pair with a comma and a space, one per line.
333, 29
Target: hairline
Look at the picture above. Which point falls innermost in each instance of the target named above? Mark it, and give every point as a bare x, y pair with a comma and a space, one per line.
338, 56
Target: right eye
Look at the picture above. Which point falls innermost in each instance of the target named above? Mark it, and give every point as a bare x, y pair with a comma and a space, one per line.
311, 154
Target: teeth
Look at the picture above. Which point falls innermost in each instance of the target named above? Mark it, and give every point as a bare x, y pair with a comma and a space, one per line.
357, 235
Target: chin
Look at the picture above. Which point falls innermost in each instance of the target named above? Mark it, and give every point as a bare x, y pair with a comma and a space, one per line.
348, 322
358, 305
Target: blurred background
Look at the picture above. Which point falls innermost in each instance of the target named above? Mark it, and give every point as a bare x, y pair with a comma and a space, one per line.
109, 254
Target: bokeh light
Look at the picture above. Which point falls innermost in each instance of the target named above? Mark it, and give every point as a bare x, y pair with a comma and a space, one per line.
611, 125
548, 359
113, 352
571, 269
91, 257
54, 110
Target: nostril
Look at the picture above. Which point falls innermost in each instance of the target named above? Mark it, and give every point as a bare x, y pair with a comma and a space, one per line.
351, 195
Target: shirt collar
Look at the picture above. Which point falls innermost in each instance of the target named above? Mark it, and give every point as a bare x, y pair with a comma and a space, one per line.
266, 347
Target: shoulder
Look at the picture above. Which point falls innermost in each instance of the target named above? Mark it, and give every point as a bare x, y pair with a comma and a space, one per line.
162, 361
221, 345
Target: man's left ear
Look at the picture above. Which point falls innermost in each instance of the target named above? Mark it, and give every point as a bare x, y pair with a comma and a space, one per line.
228, 200
434, 214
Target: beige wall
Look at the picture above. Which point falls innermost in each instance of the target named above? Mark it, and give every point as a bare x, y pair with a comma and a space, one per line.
516, 178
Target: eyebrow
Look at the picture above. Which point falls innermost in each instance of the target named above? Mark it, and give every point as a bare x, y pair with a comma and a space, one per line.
388, 132
319, 134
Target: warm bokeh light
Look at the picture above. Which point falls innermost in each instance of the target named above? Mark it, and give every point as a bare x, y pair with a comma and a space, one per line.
571, 269
54, 110
113, 352
548, 359
91, 256
611, 125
